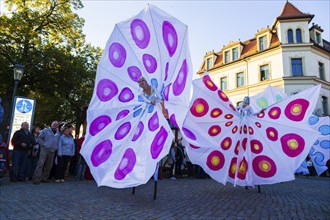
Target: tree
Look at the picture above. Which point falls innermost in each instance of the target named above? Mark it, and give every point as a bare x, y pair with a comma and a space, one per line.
46, 36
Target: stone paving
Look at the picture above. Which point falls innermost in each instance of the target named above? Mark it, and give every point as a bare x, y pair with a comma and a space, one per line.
303, 198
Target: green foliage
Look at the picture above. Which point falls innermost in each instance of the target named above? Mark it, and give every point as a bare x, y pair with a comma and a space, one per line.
46, 36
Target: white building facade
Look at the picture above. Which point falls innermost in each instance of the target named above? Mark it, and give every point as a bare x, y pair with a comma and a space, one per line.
290, 56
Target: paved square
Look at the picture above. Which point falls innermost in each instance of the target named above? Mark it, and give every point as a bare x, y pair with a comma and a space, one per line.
303, 198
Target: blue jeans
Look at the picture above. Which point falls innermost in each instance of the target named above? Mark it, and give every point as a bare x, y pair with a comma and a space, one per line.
81, 168
19, 163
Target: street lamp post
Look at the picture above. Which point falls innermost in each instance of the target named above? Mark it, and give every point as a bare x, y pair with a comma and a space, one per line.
18, 73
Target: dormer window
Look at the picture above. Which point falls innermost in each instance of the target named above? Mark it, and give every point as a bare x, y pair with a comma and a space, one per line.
290, 36
318, 38
227, 57
262, 43
298, 35
208, 63
235, 53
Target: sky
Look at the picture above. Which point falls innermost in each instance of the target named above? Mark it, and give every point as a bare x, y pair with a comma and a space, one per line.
211, 24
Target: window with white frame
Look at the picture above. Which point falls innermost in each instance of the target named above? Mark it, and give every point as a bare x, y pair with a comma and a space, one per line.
223, 83
264, 72
296, 67
235, 53
262, 43
240, 79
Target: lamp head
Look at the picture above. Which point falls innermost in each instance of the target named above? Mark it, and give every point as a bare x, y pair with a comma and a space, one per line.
18, 71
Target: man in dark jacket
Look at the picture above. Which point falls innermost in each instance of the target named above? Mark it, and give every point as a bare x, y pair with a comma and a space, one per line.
23, 141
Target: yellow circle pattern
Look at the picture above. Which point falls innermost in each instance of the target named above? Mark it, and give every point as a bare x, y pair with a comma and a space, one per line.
209, 83
215, 160
265, 166
242, 168
233, 168
200, 108
296, 109
215, 113
293, 144
274, 113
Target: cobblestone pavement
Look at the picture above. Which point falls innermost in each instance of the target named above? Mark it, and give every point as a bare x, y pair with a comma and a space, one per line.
303, 198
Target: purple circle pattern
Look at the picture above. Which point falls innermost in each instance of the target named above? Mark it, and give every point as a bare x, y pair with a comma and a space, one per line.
189, 133
153, 123
292, 144
149, 63
126, 95
140, 33
134, 73
122, 114
166, 71
99, 124
101, 153
106, 90
126, 164
138, 131
158, 143
170, 37
181, 79
173, 120
166, 91
123, 130
117, 54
